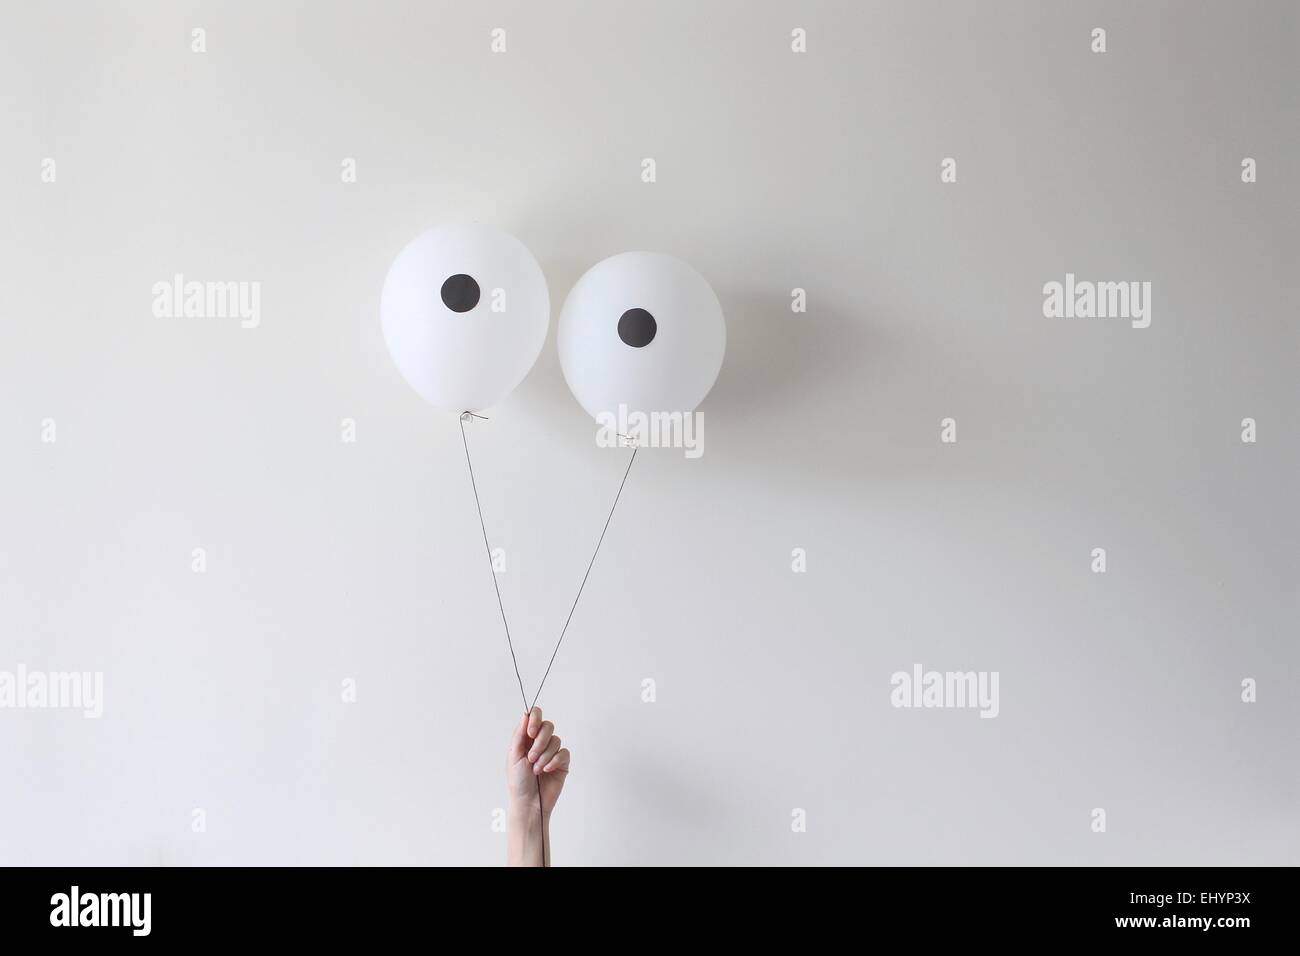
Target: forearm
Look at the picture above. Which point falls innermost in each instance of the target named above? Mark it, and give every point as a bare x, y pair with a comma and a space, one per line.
526, 833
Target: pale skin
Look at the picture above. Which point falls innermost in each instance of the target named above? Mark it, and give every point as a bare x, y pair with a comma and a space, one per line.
535, 754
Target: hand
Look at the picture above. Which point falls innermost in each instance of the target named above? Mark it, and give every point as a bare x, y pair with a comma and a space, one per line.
535, 752
535, 757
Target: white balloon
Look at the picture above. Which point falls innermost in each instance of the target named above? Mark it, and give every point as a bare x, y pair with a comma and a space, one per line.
465, 311
644, 331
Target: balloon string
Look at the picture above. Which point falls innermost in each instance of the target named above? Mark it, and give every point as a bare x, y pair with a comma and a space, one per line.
478, 505
483, 527
565, 630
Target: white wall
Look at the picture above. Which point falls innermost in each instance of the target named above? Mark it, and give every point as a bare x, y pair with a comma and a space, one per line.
776, 170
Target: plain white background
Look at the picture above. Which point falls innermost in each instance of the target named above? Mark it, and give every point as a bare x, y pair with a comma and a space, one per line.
329, 561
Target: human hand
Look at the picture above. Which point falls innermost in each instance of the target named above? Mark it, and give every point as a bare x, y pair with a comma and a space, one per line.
536, 768
534, 753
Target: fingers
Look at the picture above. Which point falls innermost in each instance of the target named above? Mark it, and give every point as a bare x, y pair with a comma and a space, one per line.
525, 730
544, 735
559, 762
534, 740
547, 755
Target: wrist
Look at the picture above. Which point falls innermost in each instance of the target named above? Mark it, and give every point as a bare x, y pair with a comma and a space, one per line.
525, 814
528, 833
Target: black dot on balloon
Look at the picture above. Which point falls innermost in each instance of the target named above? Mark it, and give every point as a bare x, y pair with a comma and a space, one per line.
637, 328
460, 293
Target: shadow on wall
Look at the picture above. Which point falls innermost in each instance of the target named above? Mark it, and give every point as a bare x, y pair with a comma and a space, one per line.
801, 388
865, 403
783, 360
